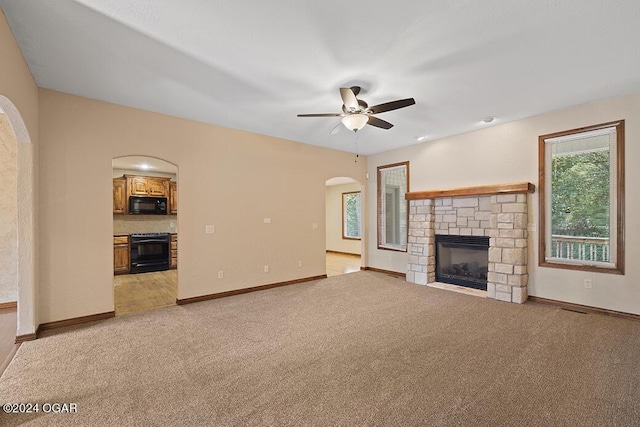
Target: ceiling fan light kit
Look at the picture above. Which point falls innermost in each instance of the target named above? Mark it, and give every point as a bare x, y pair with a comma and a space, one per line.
355, 122
356, 113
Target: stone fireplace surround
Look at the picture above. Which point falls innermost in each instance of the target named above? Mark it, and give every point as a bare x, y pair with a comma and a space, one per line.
496, 211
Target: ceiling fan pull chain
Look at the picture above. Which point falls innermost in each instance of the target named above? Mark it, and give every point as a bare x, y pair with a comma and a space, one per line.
356, 161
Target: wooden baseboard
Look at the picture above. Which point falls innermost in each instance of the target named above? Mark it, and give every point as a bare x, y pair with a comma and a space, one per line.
342, 253
584, 308
379, 270
10, 304
26, 337
75, 321
246, 290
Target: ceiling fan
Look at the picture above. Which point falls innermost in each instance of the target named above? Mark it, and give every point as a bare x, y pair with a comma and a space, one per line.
356, 113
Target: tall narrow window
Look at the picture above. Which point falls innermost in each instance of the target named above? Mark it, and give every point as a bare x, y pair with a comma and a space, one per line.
393, 208
351, 215
582, 198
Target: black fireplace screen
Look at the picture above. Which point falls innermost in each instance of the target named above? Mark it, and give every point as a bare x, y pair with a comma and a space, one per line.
462, 260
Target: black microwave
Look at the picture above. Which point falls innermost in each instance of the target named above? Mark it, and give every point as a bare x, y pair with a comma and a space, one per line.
147, 205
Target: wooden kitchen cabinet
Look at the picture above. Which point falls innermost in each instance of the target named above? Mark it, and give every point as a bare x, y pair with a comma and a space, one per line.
158, 187
137, 185
147, 186
174, 251
119, 196
173, 197
121, 261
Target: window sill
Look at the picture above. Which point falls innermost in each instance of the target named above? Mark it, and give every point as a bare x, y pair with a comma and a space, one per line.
619, 269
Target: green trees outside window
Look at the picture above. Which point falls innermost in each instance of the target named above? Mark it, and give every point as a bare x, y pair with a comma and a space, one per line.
351, 215
582, 198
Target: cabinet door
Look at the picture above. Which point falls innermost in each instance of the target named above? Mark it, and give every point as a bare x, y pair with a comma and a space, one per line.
138, 186
174, 251
119, 196
158, 187
121, 258
173, 197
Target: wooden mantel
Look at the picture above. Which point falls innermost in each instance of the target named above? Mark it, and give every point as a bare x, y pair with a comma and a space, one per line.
481, 190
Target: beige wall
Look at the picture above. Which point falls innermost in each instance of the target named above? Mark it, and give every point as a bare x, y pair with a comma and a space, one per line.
334, 239
19, 101
230, 179
8, 213
16, 81
508, 153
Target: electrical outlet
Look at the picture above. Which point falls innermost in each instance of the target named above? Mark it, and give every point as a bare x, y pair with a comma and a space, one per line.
220, 274
300, 264
588, 284
266, 268
209, 229
314, 225
267, 220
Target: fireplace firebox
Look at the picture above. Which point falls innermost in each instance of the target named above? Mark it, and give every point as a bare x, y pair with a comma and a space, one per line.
462, 260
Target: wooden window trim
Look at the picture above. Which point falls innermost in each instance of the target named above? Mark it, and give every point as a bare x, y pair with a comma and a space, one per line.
620, 192
360, 225
379, 204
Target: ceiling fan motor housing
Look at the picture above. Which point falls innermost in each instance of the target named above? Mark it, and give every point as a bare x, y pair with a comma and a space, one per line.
356, 112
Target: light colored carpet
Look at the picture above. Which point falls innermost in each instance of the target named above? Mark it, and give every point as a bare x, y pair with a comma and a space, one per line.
357, 349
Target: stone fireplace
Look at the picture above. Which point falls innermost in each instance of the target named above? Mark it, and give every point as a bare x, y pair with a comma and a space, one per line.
498, 212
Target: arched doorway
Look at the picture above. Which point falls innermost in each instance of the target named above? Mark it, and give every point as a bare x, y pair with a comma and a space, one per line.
24, 258
344, 225
145, 230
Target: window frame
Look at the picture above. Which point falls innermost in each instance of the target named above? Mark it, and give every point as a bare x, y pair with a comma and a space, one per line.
618, 265
344, 237
379, 202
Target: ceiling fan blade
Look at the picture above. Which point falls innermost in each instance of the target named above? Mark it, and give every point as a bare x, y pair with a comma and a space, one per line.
349, 99
393, 105
379, 123
336, 129
321, 115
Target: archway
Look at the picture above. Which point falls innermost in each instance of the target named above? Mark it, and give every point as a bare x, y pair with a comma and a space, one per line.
145, 227
25, 255
344, 225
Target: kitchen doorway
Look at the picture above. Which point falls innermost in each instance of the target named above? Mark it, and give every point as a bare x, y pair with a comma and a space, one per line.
145, 233
344, 226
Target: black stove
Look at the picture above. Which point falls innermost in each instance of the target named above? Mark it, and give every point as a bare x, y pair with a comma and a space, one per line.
150, 252
144, 235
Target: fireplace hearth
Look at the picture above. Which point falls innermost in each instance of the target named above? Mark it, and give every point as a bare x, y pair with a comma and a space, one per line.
462, 260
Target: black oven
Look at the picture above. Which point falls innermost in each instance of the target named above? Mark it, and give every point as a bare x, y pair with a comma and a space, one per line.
139, 205
150, 252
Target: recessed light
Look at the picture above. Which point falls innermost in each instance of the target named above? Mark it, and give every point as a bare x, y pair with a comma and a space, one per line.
488, 120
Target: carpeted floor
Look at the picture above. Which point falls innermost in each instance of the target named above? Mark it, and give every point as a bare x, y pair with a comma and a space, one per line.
357, 349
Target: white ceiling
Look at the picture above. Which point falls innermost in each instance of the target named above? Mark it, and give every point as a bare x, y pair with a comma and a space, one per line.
143, 164
339, 180
255, 64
